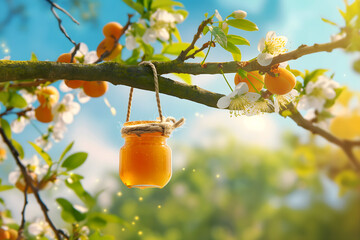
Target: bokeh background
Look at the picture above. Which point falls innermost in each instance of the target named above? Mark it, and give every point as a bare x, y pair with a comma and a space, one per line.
258, 177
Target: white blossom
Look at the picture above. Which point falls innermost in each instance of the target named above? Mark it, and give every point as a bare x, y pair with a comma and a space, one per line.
239, 14
43, 142
66, 109
239, 101
90, 57
82, 97
64, 88
317, 92
40, 227
218, 16
130, 42
83, 50
33, 165
270, 47
161, 22
28, 96
58, 131
283, 100
18, 125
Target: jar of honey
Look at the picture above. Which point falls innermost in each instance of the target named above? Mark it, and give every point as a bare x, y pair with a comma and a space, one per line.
145, 159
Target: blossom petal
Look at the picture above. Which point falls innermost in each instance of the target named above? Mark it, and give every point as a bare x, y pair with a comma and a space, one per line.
329, 93
261, 45
90, 57
241, 88
264, 59
82, 97
223, 102
74, 108
310, 115
283, 64
130, 42
83, 49
217, 15
163, 34
14, 176
270, 35
67, 117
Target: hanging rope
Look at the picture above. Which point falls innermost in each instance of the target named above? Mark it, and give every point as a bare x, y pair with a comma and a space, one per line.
164, 125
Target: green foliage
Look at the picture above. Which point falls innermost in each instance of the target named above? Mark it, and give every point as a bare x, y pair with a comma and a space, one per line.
44, 155
312, 76
69, 213
11, 99
219, 35
18, 147
5, 187
176, 48
66, 150
74, 161
74, 184
185, 77
6, 127
243, 24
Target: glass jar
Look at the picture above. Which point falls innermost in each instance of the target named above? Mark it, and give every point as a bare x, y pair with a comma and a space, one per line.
145, 160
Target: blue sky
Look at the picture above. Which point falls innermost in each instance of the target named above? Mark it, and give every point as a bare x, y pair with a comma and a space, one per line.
96, 131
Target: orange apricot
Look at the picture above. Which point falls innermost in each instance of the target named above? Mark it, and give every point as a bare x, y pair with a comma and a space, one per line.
66, 58
4, 234
95, 88
254, 78
13, 234
44, 114
111, 46
113, 30
48, 95
282, 83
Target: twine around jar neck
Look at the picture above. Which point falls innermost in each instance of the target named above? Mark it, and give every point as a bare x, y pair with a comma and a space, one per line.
165, 125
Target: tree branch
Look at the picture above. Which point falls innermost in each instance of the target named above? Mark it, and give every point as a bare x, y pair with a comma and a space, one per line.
22, 225
28, 180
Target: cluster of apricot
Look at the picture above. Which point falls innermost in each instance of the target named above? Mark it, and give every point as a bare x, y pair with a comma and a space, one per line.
280, 82
91, 88
110, 48
8, 234
47, 97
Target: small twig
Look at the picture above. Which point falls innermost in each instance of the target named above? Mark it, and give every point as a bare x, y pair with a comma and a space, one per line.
20, 113
58, 232
345, 145
204, 46
34, 83
182, 56
62, 29
22, 225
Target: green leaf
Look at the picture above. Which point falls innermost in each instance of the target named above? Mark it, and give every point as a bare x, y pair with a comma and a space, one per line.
237, 40
5, 125
4, 97
74, 161
5, 187
176, 48
330, 102
160, 58
69, 213
185, 77
232, 48
78, 189
133, 59
312, 76
147, 49
177, 34
243, 24
205, 30
100, 220
18, 147
236, 57
329, 22
136, 6
219, 35
17, 101
165, 4
242, 73
33, 57
42, 153
66, 150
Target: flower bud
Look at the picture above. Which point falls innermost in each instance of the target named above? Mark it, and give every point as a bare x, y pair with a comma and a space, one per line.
224, 26
239, 14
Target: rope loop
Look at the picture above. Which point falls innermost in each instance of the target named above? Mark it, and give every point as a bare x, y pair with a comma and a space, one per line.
164, 125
